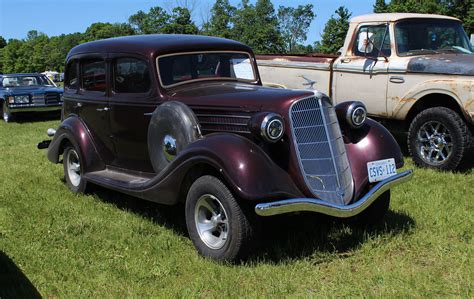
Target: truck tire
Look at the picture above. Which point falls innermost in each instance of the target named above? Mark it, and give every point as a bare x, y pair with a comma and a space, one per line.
438, 138
218, 226
172, 127
73, 172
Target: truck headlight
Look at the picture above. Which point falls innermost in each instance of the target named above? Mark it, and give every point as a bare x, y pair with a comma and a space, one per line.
22, 99
356, 114
272, 127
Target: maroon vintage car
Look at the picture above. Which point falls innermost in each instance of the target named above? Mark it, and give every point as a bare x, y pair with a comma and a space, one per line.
172, 118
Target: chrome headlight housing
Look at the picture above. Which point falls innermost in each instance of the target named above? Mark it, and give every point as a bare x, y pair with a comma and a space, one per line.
272, 127
23, 99
356, 114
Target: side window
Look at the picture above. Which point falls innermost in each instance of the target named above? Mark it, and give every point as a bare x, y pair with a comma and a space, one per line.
70, 81
379, 37
93, 75
131, 75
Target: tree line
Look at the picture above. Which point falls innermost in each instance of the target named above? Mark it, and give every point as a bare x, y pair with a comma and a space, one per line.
260, 25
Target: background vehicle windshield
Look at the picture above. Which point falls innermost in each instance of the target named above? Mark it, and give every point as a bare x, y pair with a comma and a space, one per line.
24, 81
181, 68
431, 37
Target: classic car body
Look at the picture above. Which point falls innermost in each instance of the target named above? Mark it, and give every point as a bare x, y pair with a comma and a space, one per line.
218, 134
418, 75
28, 93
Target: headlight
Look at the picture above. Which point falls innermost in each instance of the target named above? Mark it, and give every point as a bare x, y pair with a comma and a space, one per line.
22, 99
356, 114
272, 127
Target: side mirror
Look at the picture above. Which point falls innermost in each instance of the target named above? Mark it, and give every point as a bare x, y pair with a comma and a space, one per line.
366, 43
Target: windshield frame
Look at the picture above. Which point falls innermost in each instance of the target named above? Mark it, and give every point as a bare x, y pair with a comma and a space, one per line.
44, 79
250, 56
433, 52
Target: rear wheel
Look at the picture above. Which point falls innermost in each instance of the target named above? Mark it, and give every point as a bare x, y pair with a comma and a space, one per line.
218, 226
73, 172
438, 138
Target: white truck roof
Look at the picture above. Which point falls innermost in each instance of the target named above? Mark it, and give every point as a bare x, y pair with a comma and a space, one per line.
392, 17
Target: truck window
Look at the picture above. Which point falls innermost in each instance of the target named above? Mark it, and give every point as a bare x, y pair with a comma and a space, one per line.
93, 75
380, 34
131, 75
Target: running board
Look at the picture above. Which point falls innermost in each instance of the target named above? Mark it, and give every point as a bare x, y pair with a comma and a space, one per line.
118, 179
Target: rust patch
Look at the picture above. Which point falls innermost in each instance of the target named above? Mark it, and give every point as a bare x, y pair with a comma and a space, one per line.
407, 100
469, 104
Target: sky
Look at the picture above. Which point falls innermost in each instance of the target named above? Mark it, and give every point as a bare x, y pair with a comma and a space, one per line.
55, 17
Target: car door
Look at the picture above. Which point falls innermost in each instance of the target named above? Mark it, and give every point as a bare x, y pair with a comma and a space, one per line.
91, 103
363, 75
133, 100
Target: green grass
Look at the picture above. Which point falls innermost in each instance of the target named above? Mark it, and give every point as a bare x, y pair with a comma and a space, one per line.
109, 245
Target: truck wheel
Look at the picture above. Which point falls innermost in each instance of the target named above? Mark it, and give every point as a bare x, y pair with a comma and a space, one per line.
73, 172
172, 127
218, 226
375, 213
438, 138
6, 114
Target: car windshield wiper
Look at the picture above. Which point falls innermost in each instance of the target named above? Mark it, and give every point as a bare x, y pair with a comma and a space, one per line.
421, 51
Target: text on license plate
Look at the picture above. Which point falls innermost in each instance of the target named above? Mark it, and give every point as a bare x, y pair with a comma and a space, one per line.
381, 169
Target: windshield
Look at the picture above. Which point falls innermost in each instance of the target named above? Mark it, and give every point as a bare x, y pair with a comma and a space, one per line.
182, 68
25, 81
431, 37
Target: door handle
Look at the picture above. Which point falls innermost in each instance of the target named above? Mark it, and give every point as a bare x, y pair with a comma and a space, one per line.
397, 80
78, 105
148, 114
103, 109
346, 60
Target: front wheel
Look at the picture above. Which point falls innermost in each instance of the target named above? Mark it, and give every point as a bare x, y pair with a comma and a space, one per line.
218, 226
438, 138
6, 114
73, 171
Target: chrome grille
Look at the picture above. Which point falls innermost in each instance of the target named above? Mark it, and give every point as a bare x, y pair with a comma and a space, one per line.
51, 98
320, 150
224, 123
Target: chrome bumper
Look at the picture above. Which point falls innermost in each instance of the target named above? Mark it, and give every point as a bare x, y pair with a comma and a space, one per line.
324, 207
36, 108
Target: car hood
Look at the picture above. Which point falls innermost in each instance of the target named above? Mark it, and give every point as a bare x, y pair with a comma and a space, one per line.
242, 96
32, 90
446, 64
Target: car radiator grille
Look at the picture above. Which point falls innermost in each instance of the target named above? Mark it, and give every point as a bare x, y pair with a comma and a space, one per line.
51, 98
320, 150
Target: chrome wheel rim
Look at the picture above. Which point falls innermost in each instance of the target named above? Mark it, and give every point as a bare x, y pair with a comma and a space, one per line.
73, 168
6, 117
211, 221
434, 143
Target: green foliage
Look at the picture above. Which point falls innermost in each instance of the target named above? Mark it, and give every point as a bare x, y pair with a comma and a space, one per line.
106, 30
294, 24
157, 20
180, 22
220, 24
335, 32
109, 245
380, 6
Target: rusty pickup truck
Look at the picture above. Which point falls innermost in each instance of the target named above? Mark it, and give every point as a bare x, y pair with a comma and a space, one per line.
413, 71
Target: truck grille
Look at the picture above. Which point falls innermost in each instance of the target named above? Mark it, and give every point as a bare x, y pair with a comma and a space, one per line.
320, 150
51, 98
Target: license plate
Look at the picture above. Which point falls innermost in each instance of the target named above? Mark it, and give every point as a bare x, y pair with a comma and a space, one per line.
381, 169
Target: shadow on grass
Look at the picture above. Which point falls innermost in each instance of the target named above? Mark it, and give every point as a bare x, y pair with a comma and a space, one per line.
13, 282
283, 237
31, 117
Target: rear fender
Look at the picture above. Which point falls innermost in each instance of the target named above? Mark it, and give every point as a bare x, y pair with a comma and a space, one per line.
370, 143
74, 131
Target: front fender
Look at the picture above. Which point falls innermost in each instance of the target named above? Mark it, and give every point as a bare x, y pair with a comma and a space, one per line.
73, 130
370, 143
247, 169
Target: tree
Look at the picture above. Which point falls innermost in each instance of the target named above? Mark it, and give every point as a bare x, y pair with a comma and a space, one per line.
220, 23
294, 24
152, 22
106, 30
180, 22
380, 6
335, 32
257, 26
3, 42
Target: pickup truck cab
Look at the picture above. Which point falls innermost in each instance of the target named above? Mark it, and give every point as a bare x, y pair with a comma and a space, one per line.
414, 69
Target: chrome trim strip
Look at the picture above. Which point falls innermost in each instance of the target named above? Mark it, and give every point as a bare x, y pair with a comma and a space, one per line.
36, 108
223, 115
327, 208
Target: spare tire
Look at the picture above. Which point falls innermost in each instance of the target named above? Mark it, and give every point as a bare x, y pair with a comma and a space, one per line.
172, 127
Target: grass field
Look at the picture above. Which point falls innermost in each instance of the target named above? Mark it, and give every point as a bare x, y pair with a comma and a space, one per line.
105, 244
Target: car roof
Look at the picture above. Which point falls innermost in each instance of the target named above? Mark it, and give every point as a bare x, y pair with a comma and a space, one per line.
158, 44
392, 17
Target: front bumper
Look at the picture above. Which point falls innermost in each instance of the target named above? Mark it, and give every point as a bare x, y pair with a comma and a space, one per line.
35, 108
324, 207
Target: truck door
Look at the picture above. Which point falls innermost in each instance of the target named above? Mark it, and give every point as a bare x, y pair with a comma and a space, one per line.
362, 74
